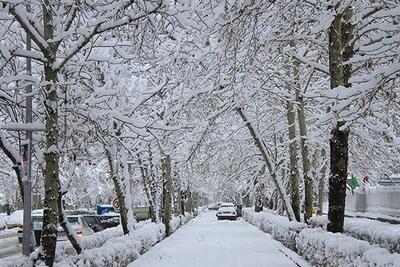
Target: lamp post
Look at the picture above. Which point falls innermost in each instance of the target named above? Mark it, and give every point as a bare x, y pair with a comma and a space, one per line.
28, 128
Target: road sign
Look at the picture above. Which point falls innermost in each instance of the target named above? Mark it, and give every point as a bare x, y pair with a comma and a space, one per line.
115, 203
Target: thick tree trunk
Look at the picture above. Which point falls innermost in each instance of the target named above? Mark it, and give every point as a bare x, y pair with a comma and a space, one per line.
268, 162
167, 185
308, 182
339, 36
293, 162
189, 200
51, 181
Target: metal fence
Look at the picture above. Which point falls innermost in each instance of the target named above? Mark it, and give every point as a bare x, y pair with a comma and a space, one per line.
382, 200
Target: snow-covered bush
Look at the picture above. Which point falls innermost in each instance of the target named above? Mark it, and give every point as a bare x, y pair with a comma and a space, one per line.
178, 221
121, 250
322, 248
383, 234
93, 241
278, 226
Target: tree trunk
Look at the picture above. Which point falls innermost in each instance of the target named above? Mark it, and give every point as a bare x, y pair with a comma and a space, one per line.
167, 184
71, 234
119, 192
339, 37
182, 197
268, 162
15, 159
189, 200
293, 163
259, 191
308, 183
51, 181
146, 186
321, 185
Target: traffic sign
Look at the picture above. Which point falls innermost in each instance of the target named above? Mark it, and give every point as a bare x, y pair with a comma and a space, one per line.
115, 203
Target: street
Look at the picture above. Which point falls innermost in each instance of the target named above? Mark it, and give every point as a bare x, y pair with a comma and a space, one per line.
208, 242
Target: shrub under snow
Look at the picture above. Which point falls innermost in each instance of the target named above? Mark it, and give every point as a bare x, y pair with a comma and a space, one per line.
178, 221
322, 248
383, 234
119, 251
278, 226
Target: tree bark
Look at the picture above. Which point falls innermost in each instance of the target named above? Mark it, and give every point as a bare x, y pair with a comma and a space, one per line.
339, 36
51, 182
71, 234
308, 182
182, 197
119, 192
167, 185
321, 185
8, 150
293, 162
268, 162
259, 191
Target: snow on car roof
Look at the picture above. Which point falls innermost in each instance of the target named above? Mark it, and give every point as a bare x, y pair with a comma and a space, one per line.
226, 209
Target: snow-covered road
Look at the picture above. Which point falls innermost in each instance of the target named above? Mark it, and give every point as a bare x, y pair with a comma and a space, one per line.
206, 242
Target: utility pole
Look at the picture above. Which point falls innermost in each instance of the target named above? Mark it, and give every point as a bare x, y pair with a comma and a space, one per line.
27, 182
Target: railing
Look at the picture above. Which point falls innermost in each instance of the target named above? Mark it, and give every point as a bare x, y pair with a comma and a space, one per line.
384, 200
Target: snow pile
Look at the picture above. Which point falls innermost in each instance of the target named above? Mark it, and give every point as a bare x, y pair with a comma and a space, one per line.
121, 250
16, 218
278, 226
178, 221
383, 234
322, 248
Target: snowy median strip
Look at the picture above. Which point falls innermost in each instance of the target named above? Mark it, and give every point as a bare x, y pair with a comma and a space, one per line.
383, 234
109, 247
279, 227
322, 248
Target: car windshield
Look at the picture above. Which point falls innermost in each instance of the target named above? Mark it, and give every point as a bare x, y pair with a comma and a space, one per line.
227, 205
73, 220
91, 220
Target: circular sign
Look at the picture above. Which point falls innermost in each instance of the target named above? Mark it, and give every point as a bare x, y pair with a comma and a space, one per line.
115, 203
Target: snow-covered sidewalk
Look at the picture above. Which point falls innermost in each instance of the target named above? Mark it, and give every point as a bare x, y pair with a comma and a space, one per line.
207, 242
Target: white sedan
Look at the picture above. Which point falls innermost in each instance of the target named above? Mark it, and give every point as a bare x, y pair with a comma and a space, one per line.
227, 212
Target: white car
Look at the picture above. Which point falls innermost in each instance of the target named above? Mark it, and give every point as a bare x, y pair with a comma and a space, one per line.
227, 211
85, 224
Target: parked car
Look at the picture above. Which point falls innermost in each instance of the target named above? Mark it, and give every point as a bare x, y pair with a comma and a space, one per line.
227, 211
213, 206
110, 219
15, 220
37, 226
85, 224
104, 209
